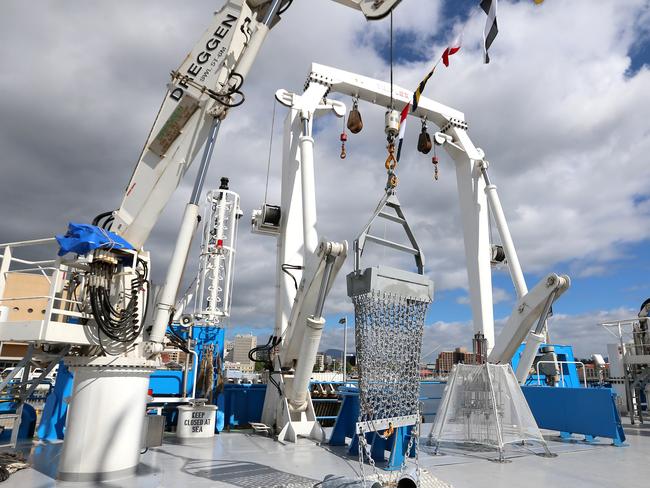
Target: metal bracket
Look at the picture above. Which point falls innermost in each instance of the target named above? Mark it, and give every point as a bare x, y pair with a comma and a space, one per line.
389, 201
390, 280
320, 79
454, 122
383, 424
292, 100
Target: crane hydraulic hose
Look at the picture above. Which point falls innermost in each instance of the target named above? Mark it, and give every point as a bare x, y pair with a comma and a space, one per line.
118, 324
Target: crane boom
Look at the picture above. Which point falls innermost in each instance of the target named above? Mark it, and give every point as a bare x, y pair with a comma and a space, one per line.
205, 86
195, 95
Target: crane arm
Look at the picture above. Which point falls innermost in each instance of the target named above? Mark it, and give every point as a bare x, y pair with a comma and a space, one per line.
205, 86
302, 339
201, 88
533, 307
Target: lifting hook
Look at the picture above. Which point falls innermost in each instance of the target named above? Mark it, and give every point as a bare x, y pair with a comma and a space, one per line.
391, 161
391, 164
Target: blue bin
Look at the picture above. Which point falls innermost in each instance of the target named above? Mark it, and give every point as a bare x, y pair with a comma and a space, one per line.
242, 404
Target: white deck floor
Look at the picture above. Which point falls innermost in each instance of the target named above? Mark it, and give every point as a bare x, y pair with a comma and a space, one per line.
242, 460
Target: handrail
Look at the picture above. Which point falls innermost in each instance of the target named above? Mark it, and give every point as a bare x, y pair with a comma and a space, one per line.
33, 242
636, 348
628, 339
42, 269
584, 376
616, 323
35, 263
6, 258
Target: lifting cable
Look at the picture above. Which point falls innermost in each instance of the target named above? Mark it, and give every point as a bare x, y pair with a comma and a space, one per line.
392, 105
268, 164
391, 161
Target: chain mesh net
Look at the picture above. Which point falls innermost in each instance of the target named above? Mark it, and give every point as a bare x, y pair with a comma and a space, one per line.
484, 405
388, 332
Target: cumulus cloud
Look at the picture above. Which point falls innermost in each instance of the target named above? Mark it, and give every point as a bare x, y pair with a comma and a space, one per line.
499, 295
558, 112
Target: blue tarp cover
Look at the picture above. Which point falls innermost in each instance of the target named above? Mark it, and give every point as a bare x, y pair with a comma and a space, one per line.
83, 238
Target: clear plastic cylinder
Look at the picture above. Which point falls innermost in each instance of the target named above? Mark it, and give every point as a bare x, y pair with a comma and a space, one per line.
217, 259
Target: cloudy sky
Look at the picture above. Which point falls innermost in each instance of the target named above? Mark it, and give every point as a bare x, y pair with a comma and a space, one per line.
561, 111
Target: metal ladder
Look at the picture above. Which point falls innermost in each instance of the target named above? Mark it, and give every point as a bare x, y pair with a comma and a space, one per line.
26, 387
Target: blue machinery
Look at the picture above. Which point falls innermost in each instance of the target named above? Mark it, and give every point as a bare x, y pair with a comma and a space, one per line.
569, 375
166, 386
169, 383
591, 412
570, 408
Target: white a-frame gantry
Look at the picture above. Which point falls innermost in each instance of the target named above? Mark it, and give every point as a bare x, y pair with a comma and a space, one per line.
298, 239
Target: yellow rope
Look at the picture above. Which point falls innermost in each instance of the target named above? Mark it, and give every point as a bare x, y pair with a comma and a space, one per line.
388, 432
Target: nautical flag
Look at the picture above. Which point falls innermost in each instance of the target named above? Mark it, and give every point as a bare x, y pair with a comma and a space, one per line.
491, 29
452, 49
402, 127
418, 92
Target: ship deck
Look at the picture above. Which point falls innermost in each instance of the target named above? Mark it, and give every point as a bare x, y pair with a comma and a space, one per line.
246, 460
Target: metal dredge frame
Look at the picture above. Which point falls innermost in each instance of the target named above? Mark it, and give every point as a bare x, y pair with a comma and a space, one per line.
390, 306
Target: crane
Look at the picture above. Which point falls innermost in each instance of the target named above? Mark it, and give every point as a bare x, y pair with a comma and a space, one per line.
98, 299
202, 91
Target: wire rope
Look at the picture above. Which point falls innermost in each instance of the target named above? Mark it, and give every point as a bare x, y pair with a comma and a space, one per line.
392, 105
268, 164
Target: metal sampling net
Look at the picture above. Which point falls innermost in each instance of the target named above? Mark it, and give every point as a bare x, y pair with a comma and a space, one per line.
388, 331
389, 307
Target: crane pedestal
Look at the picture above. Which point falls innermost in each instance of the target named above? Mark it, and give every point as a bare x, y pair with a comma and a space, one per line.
106, 417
